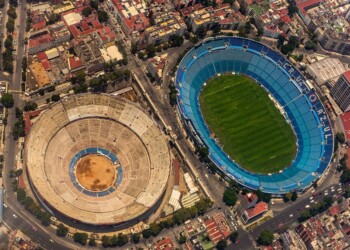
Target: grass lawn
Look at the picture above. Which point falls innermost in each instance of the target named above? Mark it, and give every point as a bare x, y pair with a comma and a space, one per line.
246, 122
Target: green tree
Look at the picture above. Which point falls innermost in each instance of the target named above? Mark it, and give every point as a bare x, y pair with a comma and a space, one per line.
287, 197
94, 4
87, 11
340, 138
201, 32
12, 12
7, 100
134, 48
78, 78
53, 18
265, 238
263, 196
294, 196
55, 98
146, 233
203, 153
155, 229
292, 8
182, 239
141, 55
106, 241
176, 40
310, 45
80, 238
221, 245
102, 16
151, 50
92, 242
61, 230
21, 195
46, 219
30, 106
8, 43
304, 215
345, 176
233, 236
347, 192
230, 197
122, 240
135, 238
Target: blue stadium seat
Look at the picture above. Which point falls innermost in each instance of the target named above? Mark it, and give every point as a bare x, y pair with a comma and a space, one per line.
277, 82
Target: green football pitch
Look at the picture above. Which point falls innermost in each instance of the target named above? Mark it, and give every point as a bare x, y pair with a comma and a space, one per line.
247, 124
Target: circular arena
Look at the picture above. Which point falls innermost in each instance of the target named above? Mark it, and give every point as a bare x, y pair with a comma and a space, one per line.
304, 111
98, 160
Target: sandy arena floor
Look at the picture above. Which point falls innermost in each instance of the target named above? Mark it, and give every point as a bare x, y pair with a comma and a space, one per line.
95, 172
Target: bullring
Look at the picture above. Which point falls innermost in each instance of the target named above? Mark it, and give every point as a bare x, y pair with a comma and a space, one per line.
97, 125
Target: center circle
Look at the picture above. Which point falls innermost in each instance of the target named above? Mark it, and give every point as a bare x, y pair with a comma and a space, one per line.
95, 172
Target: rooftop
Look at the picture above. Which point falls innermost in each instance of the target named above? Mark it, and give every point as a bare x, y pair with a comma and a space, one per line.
347, 75
259, 208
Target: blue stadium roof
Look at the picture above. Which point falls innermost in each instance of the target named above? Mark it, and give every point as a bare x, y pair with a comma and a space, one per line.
278, 76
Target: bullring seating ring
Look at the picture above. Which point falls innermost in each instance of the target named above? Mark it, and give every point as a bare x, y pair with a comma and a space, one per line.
116, 132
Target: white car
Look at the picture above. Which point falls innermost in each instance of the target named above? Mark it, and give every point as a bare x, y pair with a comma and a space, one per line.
325, 194
291, 215
311, 198
307, 206
312, 201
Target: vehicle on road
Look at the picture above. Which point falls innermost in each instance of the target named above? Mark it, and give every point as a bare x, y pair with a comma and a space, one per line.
307, 206
15, 216
291, 215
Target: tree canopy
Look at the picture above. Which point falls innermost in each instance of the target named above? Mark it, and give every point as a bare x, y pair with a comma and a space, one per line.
61, 230
230, 197
80, 238
87, 11
102, 16
266, 238
7, 100
221, 245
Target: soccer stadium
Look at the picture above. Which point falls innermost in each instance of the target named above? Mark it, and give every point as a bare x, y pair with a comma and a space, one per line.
299, 105
98, 160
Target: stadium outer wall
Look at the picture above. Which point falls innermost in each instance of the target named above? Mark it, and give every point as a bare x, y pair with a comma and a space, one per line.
84, 226
295, 77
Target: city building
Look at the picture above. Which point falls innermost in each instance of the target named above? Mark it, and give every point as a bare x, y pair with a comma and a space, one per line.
166, 24
217, 228
249, 200
255, 212
292, 241
165, 244
341, 91
48, 38
329, 230
156, 66
223, 15
88, 50
131, 15
91, 26
326, 70
329, 20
